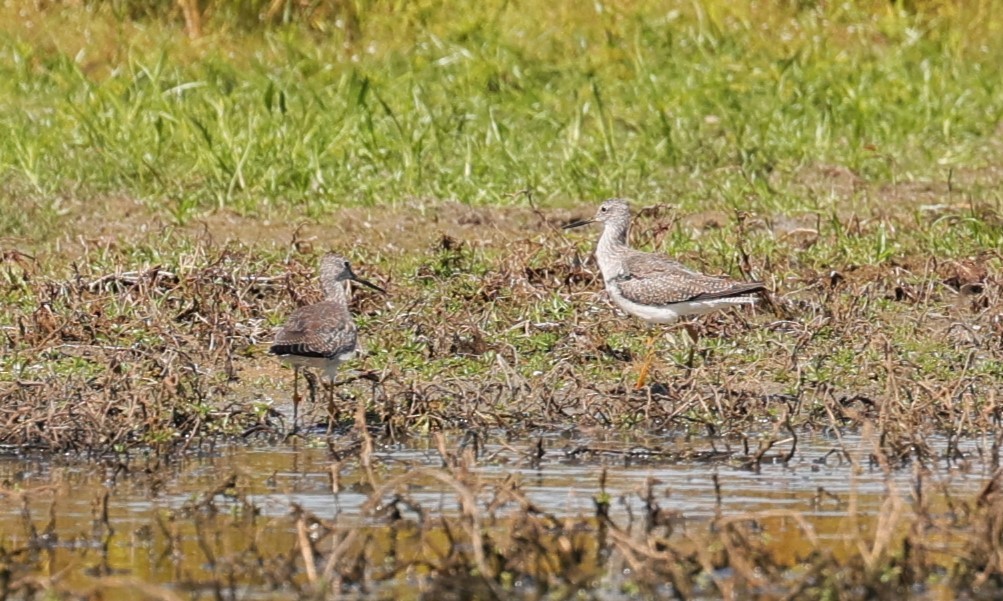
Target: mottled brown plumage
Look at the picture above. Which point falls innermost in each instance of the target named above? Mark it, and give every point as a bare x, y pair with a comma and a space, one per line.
322, 335
651, 279
652, 286
321, 331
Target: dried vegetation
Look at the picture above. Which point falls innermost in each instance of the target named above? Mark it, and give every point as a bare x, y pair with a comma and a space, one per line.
499, 324
135, 350
493, 542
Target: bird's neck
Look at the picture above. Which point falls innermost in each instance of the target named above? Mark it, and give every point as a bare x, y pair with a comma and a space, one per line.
612, 243
614, 233
337, 292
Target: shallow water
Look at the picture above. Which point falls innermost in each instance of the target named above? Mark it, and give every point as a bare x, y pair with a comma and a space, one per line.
151, 515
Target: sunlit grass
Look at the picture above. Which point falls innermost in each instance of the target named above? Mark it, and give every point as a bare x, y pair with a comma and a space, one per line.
700, 104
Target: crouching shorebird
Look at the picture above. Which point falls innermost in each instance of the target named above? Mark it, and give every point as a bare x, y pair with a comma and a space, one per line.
652, 286
322, 335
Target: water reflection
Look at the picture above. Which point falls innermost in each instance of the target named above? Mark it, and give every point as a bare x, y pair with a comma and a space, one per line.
151, 532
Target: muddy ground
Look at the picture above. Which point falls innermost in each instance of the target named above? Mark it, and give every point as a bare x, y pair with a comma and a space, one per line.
136, 342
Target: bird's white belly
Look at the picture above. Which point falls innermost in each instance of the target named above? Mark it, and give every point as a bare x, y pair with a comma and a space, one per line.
670, 313
328, 366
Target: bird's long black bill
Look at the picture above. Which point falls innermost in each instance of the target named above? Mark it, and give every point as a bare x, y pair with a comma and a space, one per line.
356, 278
578, 223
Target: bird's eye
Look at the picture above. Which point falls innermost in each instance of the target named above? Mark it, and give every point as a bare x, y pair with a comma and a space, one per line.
603, 209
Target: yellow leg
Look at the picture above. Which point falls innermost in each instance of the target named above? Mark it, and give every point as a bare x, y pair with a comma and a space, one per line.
642, 374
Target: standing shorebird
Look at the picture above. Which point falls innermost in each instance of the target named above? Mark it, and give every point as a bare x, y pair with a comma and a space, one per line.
652, 286
322, 335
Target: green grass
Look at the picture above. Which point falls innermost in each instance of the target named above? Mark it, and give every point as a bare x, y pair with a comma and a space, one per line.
716, 105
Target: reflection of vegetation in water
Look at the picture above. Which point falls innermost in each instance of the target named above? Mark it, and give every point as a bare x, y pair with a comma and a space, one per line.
497, 522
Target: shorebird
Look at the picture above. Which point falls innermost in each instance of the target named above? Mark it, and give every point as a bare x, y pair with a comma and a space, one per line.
322, 335
653, 286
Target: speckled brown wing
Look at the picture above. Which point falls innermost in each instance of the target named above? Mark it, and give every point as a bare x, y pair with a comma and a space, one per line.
653, 280
321, 330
